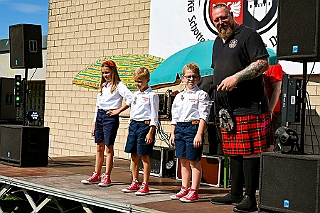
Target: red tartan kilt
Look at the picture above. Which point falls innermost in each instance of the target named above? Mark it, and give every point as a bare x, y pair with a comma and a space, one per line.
252, 135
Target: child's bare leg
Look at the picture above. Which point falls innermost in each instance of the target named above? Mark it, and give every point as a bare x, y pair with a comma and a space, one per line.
109, 159
146, 168
99, 157
185, 172
135, 166
196, 174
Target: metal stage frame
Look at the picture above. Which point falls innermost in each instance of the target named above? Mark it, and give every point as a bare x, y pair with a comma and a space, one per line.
52, 193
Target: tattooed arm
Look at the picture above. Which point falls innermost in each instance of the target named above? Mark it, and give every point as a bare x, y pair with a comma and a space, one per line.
252, 71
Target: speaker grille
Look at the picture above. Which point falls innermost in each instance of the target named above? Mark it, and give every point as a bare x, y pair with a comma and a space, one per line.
25, 146
289, 183
10, 145
25, 46
298, 30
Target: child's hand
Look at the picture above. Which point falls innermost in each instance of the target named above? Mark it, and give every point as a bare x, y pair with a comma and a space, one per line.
197, 142
92, 130
171, 140
148, 139
112, 112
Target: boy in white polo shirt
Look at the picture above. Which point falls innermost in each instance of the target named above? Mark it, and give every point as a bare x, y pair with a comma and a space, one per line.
190, 113
141, 137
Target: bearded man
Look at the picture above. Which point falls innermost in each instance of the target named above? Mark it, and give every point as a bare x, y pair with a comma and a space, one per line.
239, 59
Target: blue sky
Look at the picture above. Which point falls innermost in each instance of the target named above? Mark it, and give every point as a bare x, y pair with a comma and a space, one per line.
23, 12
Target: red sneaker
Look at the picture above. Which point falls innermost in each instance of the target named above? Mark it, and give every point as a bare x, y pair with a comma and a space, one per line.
192, 196
183, 192
133, 187
144, 189
95, 178
105, 181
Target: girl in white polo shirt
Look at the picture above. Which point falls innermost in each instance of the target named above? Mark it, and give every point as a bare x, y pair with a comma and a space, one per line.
106, 120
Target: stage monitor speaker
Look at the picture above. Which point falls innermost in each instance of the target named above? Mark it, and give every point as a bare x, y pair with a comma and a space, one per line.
24, 146
289, 183
163, 162
25, 46
298, 31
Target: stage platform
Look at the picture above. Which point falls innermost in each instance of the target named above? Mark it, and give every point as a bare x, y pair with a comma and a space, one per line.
60, 180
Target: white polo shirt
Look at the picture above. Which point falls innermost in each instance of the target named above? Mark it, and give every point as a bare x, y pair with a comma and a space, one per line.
145, 106
190, 105
107, 100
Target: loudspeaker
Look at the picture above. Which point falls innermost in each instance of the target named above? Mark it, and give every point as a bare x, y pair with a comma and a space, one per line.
289, 183
165, 104
298, 31
25, 46
162, 161
24, 146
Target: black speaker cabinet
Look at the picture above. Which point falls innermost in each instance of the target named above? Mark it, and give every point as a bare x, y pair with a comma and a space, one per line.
298, 31
163, 162
24, 146
25, 46
289, 183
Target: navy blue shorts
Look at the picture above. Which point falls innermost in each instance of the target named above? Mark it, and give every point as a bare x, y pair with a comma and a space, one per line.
136, 139
106, 128
184, 136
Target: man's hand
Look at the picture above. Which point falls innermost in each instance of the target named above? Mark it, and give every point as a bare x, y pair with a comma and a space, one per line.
228, 84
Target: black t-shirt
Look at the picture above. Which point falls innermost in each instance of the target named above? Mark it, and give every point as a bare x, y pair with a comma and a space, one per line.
239, 51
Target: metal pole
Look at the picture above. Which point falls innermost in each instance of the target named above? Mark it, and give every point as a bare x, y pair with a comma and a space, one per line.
303, 108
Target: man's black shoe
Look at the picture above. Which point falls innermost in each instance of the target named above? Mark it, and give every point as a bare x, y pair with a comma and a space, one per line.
247, 205
228, 199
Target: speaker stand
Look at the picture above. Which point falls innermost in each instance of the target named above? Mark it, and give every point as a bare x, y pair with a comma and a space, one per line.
303, 108
25, 88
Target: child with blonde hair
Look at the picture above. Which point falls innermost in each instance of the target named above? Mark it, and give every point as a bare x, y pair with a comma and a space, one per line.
190, 113
141, 137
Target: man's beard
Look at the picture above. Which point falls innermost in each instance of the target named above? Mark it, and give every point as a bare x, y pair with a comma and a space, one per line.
225, 31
